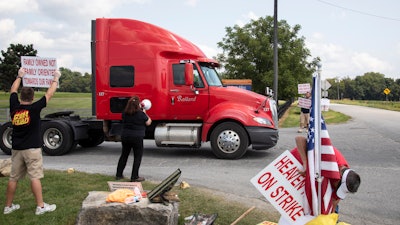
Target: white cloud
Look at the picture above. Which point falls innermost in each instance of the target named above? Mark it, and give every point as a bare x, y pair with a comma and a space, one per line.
17, 6
33, 37
251, 15
191, 3
209, 51
365, 62
339, 61
246, 18
7, 30
398, 48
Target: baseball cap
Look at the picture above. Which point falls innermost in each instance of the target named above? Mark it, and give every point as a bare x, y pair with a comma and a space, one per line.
343, 190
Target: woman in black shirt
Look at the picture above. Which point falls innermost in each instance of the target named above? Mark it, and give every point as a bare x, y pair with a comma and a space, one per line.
134, 120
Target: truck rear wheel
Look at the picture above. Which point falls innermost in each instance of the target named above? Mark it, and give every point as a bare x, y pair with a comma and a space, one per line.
6, 142
229, 141
57, 138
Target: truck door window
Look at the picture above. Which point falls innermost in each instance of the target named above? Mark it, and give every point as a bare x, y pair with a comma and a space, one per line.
122, 76
198, 82
178, 74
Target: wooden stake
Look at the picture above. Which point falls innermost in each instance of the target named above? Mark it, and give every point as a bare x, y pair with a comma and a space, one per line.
243, 215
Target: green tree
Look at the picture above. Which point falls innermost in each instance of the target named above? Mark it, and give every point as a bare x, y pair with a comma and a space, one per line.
248, 54
72, 81
370, 86
10, 62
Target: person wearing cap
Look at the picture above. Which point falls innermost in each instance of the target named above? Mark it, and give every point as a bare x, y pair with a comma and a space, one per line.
349, 179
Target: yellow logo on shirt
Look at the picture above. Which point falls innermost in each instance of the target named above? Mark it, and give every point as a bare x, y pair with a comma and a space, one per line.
21, 118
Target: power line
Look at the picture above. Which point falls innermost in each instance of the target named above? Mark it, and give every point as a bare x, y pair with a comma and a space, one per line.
360, 12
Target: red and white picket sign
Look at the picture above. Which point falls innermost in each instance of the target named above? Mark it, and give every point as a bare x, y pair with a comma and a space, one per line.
282, 185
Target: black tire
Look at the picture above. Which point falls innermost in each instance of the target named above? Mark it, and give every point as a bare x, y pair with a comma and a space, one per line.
57, 138
229, 140
5, 134
94, 139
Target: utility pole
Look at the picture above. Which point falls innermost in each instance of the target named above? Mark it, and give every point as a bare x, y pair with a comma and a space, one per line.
276, 51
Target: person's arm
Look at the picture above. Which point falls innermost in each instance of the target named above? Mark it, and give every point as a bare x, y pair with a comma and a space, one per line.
53, 86
301, 143
18, 80
148, 122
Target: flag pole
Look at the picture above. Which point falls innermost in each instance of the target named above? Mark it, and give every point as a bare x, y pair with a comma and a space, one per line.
317, 110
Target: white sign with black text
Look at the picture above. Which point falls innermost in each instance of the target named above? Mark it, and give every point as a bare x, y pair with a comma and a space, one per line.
39, 71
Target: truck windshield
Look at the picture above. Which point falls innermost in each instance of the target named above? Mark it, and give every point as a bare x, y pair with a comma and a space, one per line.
210, 74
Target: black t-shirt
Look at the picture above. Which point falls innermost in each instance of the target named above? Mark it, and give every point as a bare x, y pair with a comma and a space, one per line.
26, 123
134, 125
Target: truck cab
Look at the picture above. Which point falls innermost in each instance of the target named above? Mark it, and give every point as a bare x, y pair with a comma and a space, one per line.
190, 105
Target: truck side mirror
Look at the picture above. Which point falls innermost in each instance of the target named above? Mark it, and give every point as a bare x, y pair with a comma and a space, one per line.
189, 74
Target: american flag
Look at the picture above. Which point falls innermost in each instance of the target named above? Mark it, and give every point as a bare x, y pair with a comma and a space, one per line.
329, 166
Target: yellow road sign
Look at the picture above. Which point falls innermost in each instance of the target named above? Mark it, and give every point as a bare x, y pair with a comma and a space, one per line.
386, 91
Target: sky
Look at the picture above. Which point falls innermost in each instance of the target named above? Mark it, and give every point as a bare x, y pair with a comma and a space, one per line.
352, 37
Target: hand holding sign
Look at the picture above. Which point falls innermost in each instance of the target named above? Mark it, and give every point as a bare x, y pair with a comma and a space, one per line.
57, 74
21, 72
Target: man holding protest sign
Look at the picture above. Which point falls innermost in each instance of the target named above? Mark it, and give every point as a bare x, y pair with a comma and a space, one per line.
26, 145
348, 182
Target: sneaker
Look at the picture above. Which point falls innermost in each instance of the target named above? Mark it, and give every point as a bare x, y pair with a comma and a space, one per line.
46, 208
10, 209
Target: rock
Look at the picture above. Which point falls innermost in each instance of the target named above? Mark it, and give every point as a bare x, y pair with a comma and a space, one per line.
95, 210
5, 167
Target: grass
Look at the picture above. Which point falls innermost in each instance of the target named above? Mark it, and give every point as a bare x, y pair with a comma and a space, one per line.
60, 100
69, 190
388, 105
292, 117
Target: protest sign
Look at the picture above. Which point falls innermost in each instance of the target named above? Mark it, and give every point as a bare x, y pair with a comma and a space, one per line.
282, 185
304, 103
39, 71
303, 88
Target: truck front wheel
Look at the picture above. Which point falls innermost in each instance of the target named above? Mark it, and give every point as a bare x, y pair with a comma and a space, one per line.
57, 138
229, 140
5, 133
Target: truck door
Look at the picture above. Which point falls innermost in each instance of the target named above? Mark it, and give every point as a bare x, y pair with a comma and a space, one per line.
187, 103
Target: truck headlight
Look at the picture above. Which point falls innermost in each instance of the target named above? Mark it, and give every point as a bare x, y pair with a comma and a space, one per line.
262, 121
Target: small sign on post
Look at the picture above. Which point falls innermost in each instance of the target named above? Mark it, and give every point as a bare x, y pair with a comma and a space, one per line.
39, 71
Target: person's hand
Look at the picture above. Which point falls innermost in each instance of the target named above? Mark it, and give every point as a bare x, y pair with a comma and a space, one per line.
302, 172
57, 74
21, 72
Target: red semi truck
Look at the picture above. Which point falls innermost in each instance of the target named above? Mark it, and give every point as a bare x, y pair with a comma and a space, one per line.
190, 105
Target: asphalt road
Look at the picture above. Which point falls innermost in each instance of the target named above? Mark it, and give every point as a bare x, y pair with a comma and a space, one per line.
370, 141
